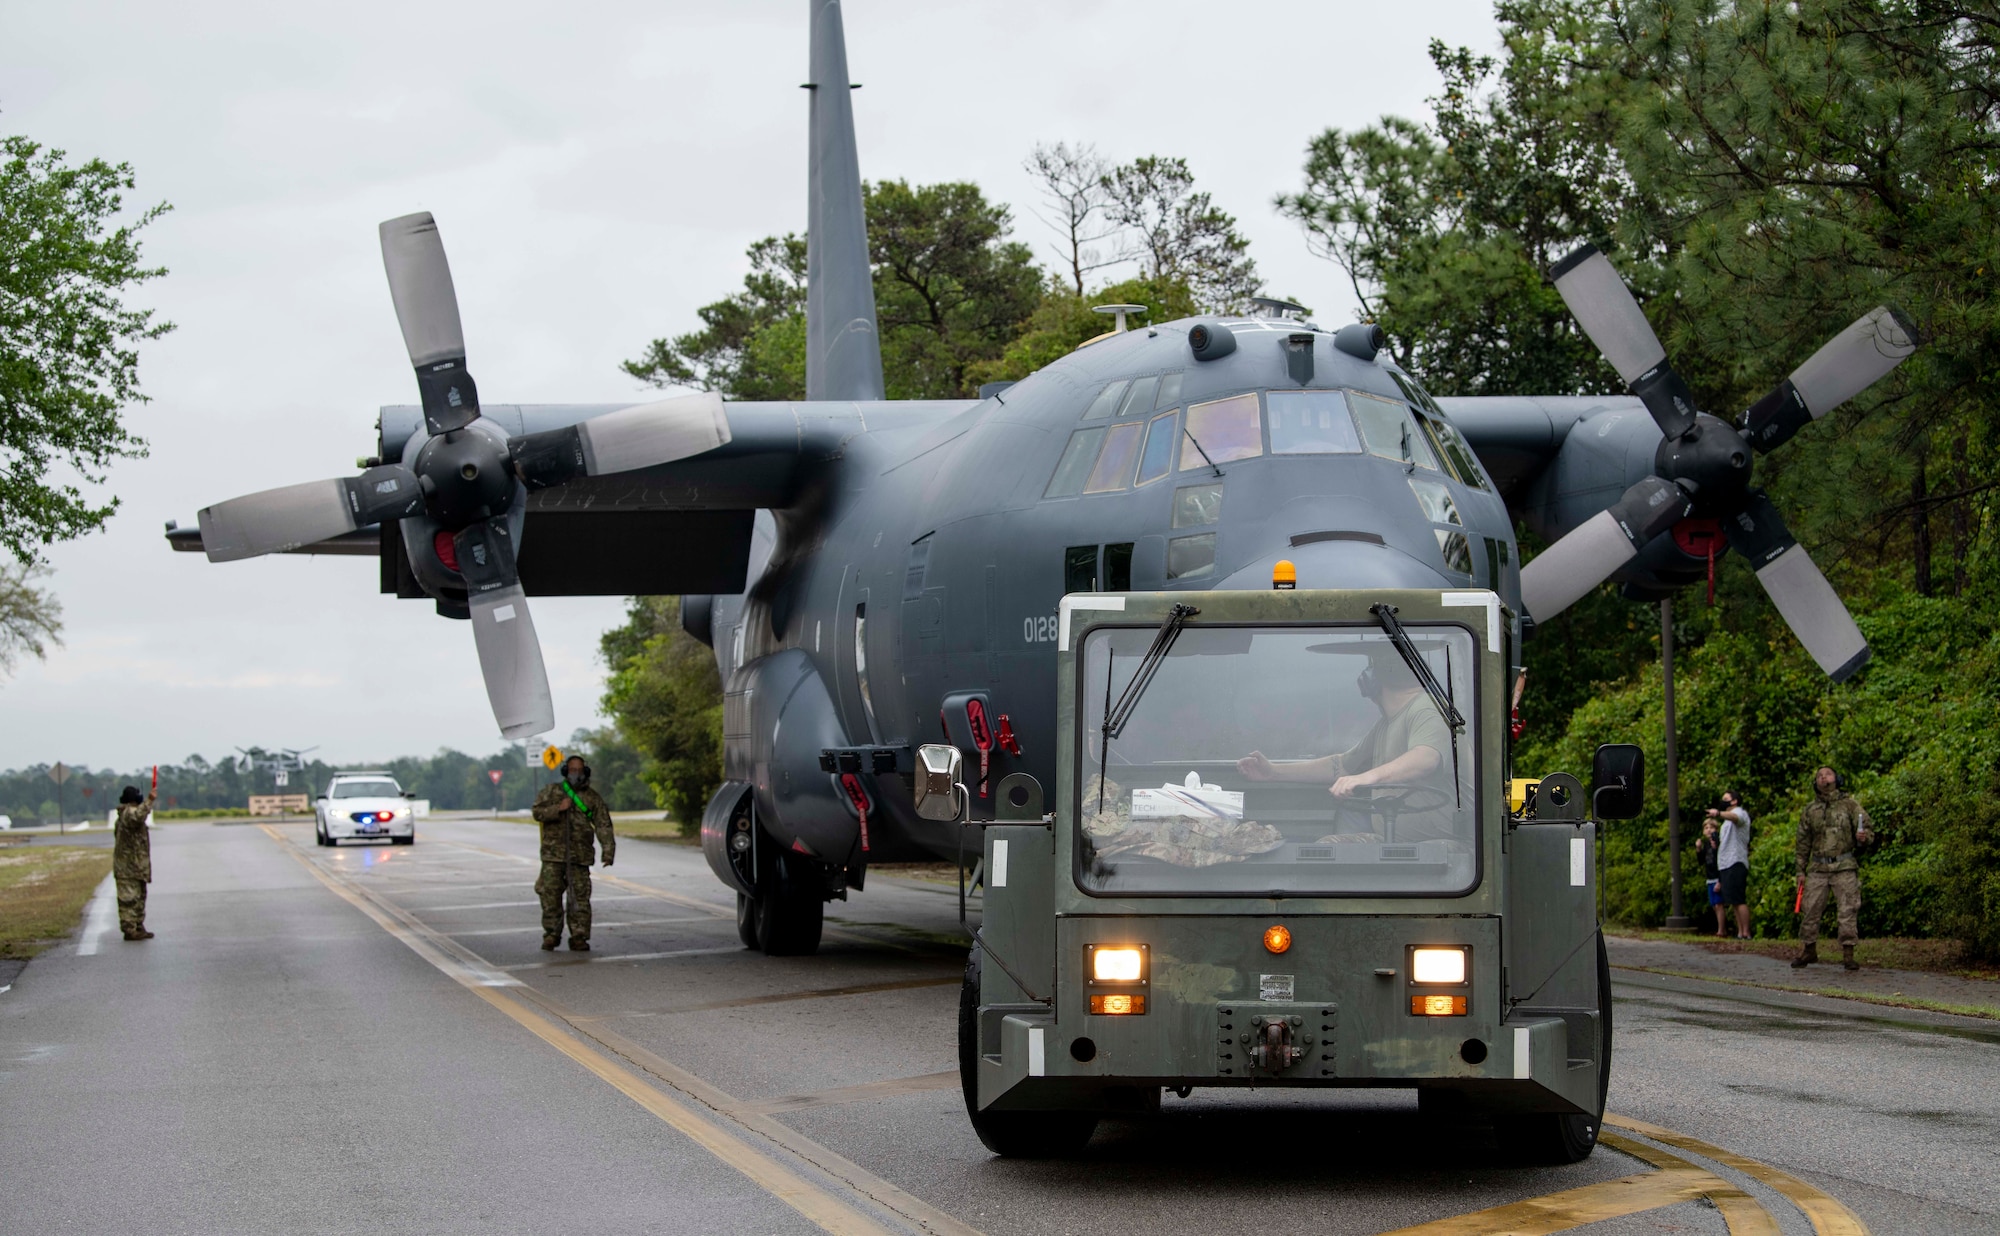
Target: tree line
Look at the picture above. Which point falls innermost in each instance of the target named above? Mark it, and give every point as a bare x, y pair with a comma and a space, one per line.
451, 780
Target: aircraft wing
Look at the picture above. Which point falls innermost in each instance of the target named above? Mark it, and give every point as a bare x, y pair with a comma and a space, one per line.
674, 528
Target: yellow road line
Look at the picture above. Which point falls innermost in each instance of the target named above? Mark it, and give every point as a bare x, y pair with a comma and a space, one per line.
1559, 1212
1828, 1216
817, 1205
1743, 1213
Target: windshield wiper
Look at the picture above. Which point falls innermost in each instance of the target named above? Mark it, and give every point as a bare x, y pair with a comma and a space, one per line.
1116, 715
1386, 615
1204, 454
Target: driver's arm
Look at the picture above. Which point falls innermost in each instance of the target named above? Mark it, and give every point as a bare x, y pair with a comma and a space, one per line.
1412, 765
1259, 767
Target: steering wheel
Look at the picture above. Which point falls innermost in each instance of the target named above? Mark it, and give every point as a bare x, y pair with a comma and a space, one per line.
1394, 798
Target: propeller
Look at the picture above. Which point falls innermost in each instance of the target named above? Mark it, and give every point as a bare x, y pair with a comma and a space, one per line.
469, 477
1704, 464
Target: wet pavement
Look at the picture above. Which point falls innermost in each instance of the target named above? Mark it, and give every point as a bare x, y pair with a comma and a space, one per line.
370, 1039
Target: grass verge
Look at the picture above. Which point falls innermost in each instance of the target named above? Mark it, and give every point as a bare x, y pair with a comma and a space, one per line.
43, 889
1889, 953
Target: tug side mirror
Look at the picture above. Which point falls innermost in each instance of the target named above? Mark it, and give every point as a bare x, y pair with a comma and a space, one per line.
1618, 781
940, 768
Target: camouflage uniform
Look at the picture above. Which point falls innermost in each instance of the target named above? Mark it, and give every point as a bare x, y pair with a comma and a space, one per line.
567, 851
132, 865
1826, 860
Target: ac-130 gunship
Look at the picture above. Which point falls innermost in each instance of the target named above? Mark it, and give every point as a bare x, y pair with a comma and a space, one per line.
875, 575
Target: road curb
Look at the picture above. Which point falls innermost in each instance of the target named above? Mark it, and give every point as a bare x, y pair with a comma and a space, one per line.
1798, 1001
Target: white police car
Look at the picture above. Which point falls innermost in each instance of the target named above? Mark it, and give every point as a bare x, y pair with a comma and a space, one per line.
364, 806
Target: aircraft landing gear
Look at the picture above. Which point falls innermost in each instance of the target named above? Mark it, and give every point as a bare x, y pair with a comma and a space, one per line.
788, 911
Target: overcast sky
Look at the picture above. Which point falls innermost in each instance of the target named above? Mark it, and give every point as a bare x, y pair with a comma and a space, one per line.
597, 170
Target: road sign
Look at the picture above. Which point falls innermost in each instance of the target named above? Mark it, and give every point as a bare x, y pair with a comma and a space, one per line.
494, 775
60, 772
552, 758
281, 777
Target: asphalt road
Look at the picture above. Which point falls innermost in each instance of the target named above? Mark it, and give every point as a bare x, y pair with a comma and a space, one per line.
369, 1039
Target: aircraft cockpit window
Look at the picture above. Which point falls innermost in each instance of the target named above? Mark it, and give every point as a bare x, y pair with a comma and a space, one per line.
1436, 501
1457, 554
1114, 463
1222, 430
1191, 557
1158, 457
1388, 430
1197, 505
1107, 400
1455, 450
1311, 423
1170, 391
1139, 399
1075, 464
1080, 569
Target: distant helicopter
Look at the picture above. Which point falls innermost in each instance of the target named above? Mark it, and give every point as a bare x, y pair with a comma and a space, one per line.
874, 575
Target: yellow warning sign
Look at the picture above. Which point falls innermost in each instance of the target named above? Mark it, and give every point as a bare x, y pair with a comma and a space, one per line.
552, 758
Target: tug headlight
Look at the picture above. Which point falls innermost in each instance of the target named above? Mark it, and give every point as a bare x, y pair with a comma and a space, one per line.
1117, 964
1438, 965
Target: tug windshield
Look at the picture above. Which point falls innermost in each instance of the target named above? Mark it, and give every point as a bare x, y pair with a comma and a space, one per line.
1293, 761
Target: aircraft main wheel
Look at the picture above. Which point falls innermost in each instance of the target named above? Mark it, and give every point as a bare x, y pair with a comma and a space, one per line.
1549, 1137
1012, 1135
789, 912
746, 921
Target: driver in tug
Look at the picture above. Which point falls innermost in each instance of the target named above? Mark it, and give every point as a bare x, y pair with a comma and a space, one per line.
1405, 749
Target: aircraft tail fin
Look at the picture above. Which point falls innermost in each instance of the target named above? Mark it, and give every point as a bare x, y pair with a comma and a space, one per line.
843, 353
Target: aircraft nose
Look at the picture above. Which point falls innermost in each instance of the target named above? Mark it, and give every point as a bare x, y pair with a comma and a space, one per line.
1355, 560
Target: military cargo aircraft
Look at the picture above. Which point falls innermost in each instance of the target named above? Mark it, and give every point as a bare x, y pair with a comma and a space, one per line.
874, 575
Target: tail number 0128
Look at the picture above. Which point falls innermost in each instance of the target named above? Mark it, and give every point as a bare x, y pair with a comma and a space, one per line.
1040, 630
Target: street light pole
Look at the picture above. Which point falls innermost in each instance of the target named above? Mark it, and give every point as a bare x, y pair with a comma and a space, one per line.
1676, 915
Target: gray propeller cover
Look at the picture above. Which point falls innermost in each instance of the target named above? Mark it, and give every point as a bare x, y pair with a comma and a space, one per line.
420, 284
1853, 360
510, 660
1606, 309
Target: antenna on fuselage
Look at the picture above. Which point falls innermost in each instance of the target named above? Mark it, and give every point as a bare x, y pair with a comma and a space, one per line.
843, 348
1118, 327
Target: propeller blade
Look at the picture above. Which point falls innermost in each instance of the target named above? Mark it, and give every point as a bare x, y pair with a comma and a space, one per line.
427, 308
1806, 601
1845, 365
622, 441
283, 519
1608, 312
510, 654
1594, 549
510, 659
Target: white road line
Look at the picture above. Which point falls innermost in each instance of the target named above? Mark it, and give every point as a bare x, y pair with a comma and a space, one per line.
536, 928
99, 918
595, 897
679, 952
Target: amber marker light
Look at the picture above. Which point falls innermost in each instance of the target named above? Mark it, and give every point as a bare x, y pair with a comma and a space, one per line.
1277, 938
1118, 1003
1284, 578
1437, 1006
